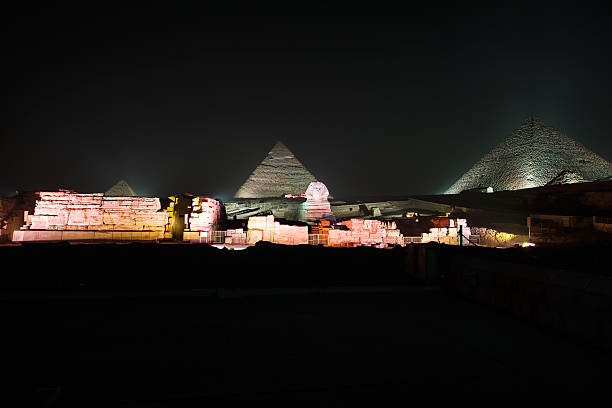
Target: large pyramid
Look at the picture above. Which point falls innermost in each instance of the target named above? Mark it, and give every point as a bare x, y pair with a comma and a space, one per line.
534, 155
121, 189
278, 174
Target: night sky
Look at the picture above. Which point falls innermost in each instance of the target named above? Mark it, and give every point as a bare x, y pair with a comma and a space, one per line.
372, 101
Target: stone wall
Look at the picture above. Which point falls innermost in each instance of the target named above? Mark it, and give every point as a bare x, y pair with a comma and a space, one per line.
602, 224
70, 211
365, 232
264, 228
205, 214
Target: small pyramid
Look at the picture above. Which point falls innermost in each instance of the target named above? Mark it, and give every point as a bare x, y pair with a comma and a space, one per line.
121, 189
278, 174
534, 155
566, 177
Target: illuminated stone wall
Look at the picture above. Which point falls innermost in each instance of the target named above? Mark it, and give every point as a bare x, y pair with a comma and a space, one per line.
205, 214
493, 238
534, 155
447, 235
264, 228
68, 210
365, 232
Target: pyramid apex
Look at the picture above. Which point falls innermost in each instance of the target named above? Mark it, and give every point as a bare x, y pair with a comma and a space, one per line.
121, 189
531, 119
279, 145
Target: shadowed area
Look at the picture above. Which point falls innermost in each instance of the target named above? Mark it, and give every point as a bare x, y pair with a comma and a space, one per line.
337, 328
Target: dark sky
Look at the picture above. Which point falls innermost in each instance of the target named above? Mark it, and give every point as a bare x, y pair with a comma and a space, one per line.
372, 101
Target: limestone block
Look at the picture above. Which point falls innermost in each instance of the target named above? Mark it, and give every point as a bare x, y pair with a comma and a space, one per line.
393, 233
76, 217
268, 235
77, 235
39, 222
60, 219
18, 235
103, 235
254, 236
49, 236
257, 223
191, 236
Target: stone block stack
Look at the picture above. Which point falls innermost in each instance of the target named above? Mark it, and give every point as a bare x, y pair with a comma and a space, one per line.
205, 214
93, 216
236, 236
264, 228
365, 232
448, 234
67, 210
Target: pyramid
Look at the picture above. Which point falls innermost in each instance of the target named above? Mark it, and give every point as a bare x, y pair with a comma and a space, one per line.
121, 189
534, 155
566, 177
278, 174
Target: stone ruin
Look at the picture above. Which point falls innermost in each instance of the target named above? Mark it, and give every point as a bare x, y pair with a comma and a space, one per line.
278, 174
265, 228
365, 232
203, 219
446, 231
534, 155
205, 214
67, 215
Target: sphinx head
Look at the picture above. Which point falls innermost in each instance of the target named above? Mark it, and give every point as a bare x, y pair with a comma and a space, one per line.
317, 191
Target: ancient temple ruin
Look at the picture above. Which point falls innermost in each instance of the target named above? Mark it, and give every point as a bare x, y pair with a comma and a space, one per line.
534, 155
278, 174
66, 215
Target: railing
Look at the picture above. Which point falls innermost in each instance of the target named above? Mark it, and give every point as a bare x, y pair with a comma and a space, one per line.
412, 240
240, 239
285, 241
211, 237
603, 220
474, 239
318, 239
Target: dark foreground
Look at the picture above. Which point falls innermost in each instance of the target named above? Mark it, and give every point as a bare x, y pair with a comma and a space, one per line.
351, 341
329, 348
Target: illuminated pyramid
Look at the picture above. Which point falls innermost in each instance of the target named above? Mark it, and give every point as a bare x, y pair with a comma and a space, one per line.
534, 155
121, 189
278, 174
